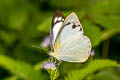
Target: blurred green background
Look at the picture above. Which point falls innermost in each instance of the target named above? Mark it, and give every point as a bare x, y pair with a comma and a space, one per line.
24, 23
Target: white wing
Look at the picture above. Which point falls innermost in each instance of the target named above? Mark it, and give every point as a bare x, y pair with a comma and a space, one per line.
70, 27
71, 45
75, 49
57, 22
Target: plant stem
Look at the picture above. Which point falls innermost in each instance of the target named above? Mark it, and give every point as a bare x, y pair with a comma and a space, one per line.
105, 48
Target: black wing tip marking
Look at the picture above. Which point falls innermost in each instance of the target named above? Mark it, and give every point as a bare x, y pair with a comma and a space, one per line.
74, 26
57, 14
75, 23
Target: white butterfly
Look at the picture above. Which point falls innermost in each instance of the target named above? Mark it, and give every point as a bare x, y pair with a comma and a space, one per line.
67, 40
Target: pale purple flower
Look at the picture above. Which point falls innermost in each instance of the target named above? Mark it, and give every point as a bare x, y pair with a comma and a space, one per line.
49, 65
92, 52
45, 42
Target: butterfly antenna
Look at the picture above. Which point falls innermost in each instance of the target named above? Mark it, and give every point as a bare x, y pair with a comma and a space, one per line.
40, 48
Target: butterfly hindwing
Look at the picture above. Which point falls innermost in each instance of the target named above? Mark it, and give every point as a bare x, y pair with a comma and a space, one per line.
75, 49
57, 22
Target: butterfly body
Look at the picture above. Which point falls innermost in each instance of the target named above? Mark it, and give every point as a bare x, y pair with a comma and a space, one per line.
67, 40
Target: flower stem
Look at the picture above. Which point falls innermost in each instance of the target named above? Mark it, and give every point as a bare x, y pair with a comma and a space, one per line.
53, 74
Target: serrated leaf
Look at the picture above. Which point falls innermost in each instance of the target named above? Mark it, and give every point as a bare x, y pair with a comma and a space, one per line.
92, 67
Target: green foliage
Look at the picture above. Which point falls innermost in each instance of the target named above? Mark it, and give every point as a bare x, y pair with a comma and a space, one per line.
21, 69
24, 23
105, 75
109, 22
54, 74
45, 26
106, 13
62, 4
107, 34
7, 37
92, 67
90, 30
105, 7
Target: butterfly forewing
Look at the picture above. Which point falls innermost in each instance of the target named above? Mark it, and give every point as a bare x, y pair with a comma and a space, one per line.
70, 27
57, 22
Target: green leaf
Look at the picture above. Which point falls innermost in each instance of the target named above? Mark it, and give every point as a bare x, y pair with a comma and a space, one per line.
108, 22
14, 77
62, 3
106, 14
108, 34
45, 26
7, 37
17, 19
110, 7
22, 69
92, 67
105, 76
2, 49
93, 32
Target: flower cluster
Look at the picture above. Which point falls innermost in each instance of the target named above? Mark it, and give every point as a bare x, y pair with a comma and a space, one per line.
49, 65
